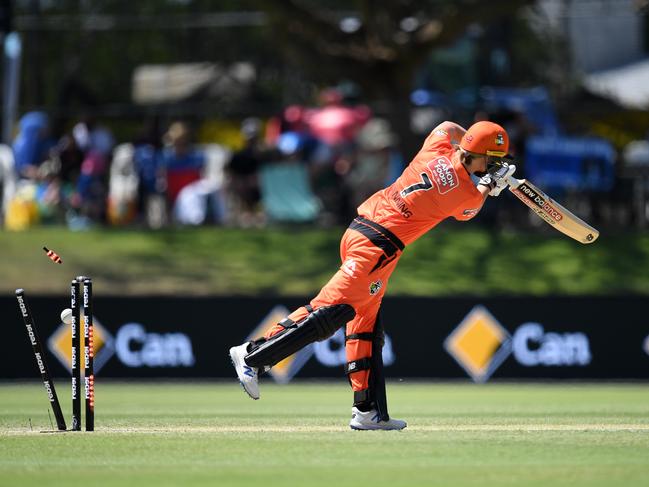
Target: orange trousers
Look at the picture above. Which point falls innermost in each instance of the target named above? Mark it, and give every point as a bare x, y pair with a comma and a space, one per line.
360, 284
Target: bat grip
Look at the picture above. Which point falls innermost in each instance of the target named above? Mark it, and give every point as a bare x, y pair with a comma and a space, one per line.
513, 182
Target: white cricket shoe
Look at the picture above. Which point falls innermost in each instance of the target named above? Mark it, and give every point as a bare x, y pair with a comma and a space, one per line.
371, 420
248, 376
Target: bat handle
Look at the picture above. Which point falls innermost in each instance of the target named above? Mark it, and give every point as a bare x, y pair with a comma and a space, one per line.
513, 182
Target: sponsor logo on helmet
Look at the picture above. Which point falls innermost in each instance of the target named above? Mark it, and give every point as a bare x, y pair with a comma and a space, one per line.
500, 140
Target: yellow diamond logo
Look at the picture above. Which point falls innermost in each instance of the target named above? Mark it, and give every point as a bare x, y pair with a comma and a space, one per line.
285, 370
479, 344
60, 344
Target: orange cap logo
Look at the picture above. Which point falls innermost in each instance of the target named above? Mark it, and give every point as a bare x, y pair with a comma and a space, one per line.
486, 138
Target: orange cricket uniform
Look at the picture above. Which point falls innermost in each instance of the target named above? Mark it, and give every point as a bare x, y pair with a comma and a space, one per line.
430, 189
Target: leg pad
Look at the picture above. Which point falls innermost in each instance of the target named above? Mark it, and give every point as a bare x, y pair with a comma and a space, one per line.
319, 325
375, 394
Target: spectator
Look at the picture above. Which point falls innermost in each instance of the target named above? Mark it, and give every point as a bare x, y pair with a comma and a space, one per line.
182, 162
123, 186
376, 162
51, 193
243, 174
152, 184
89, 201
334, 123
38, 169
7, 179
32, 144
69, 157
93, 138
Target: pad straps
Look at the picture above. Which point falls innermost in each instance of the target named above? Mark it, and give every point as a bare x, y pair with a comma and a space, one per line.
289, 323
368, 337
364, 363
375, 393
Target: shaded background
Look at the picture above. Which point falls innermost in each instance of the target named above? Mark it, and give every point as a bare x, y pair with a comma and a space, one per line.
202, 148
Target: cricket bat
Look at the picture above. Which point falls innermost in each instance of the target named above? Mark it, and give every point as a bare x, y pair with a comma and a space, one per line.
551, 211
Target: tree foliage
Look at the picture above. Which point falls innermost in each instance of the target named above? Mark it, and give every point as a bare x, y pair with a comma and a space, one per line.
85, 52
379, 45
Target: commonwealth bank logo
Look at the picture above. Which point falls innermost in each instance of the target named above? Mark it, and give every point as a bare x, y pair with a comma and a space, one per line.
283, 371
60, 344
479, 344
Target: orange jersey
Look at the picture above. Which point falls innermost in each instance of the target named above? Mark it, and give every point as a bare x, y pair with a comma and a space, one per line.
430, 189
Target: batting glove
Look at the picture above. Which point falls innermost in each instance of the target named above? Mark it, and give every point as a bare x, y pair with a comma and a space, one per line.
488, 181
500, 178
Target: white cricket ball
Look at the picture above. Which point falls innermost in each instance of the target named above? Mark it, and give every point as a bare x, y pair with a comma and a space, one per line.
66, 316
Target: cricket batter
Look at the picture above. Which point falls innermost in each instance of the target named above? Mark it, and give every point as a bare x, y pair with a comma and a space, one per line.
451, 176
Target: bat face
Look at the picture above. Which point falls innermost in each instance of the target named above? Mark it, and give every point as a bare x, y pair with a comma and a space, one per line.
552, 212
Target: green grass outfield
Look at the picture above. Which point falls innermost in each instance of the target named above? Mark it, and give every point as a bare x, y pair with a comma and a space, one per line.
459, 434
297, 261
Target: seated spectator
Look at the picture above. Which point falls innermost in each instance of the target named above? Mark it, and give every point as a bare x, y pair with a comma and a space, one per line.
123, 186
41, 199
182, 162
152, 180
7, 178
69, 157
51, 195
32, 144
335, 123
92, 137
92, 188
376, 162
88, 204
242, 174
203, 201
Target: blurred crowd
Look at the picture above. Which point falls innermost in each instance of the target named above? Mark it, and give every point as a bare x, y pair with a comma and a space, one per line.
305, 165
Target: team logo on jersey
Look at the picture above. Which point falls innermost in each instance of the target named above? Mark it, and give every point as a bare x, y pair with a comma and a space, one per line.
375, 287
500, 140
349, 267
444, 175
